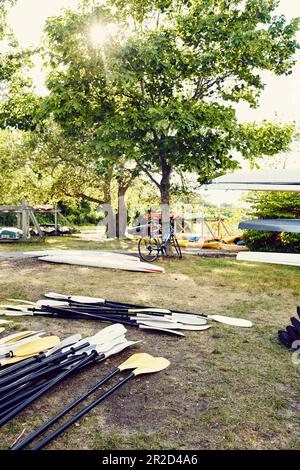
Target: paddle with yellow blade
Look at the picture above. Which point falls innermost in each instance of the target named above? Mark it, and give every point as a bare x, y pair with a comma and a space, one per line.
69, 341
11, 347
16, 337
140, 363
33, 347
131, 363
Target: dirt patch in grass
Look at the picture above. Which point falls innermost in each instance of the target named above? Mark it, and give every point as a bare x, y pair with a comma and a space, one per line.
226, 388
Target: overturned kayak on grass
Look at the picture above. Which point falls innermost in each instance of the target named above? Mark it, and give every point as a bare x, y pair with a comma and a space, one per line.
104, 260
289, 259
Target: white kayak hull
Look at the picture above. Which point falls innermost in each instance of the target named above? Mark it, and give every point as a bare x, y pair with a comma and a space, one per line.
268, 180
289, 259
113, 262
272, 225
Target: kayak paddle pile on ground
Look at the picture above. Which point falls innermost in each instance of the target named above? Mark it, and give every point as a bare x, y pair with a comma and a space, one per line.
33, 363
137, 364
290, 337
139, 316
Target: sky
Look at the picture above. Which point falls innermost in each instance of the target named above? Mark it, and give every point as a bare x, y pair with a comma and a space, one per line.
280, 101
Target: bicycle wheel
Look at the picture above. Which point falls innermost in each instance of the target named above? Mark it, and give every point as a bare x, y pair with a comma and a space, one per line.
174, 243
148, 249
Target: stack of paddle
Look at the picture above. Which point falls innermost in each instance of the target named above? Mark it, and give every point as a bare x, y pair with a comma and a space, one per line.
139, 316
137, 364
43, 362
290, 337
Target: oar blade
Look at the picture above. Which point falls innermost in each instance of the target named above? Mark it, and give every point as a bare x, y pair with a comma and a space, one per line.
65, 343
163, 330
147, 309
150, 366
120, 347
232, 321
16, 337
188, 319
13, 360
134, 361
75, 298
36, 346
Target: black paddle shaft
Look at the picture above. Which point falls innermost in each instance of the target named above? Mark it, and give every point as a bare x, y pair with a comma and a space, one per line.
20, 365
66, 410
36, 375
83, 412
41, 361
47, 387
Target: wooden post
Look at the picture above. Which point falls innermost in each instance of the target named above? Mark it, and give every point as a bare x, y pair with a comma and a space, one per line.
219, 225
56, 219
25, 219
36, 224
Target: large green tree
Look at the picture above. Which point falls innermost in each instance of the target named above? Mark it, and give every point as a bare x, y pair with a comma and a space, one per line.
161, 90
18, 103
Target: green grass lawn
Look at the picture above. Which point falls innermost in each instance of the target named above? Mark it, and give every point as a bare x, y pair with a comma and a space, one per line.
69, 242
226, 388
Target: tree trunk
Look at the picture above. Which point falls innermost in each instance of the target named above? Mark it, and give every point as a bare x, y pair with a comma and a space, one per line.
165, 197
110, 228
121, 218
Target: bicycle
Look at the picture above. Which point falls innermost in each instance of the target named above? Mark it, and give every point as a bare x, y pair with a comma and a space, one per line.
150, 248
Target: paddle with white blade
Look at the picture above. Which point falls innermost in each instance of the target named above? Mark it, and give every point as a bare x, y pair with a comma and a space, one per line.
232, 321
161, 330
147, 365
131, 363
65, 349
80, 299
185, 320
218, 318
172, 325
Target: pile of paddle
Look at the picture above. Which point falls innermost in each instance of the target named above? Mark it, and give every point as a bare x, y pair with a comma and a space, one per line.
33, 364
137, 364
139, 316
290, 337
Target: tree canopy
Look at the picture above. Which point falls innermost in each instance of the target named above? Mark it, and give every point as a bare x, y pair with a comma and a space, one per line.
161, 87
142, 87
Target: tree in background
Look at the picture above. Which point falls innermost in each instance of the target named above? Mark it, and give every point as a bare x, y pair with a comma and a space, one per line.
160, 89
19, 104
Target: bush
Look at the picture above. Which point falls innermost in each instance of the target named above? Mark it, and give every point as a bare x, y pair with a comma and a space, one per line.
256, 240
274, 205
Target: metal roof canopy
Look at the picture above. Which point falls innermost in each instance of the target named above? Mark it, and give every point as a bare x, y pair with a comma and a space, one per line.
267, 180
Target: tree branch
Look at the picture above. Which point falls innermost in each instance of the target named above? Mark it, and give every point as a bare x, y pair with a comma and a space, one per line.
85, 197
148, 174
